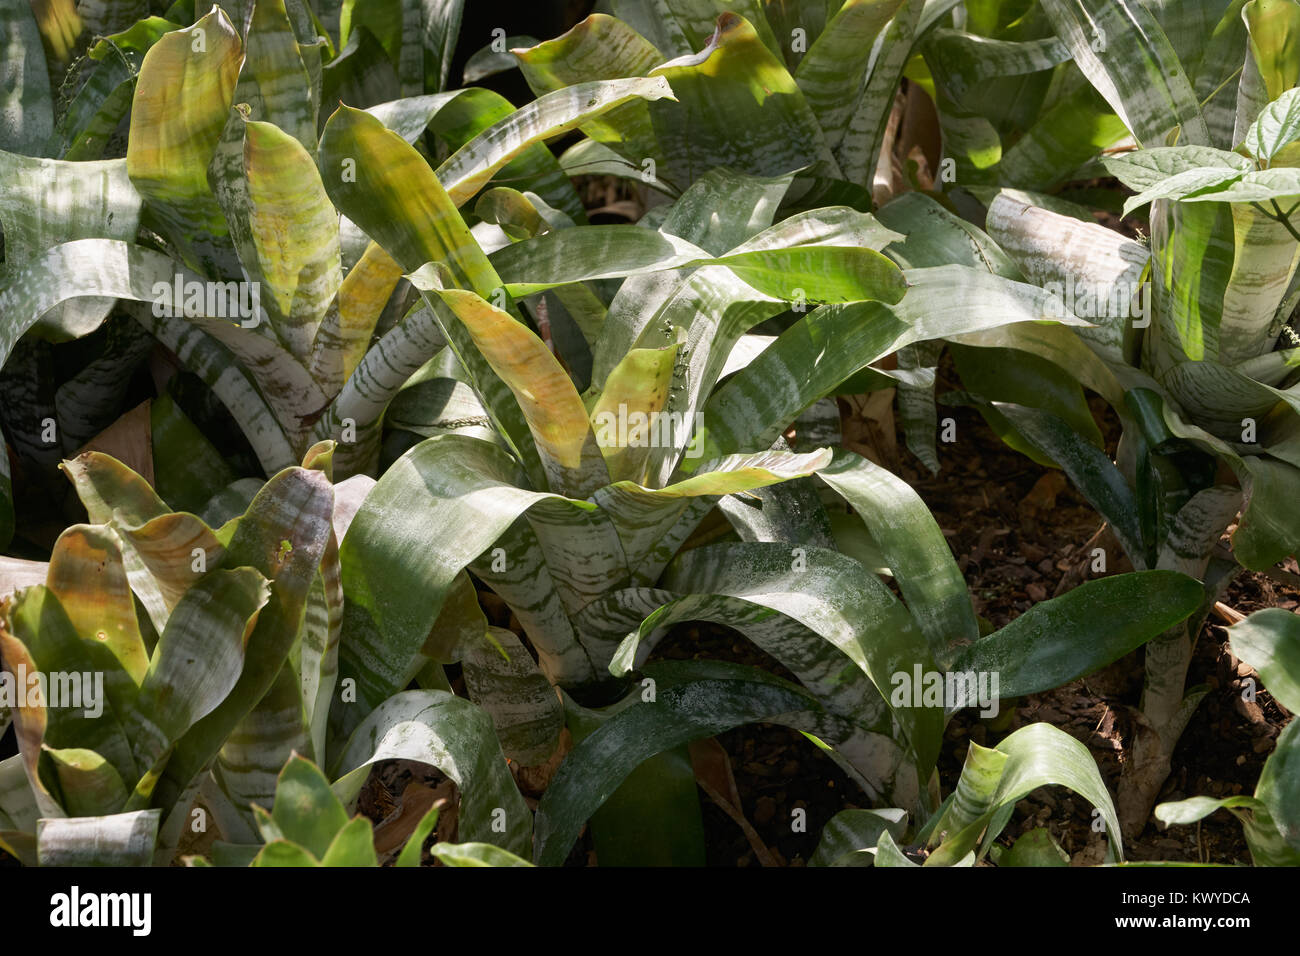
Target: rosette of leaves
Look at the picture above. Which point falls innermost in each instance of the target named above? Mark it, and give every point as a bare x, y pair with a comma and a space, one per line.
1192, 341
219, 194
218, 639
1032, 97
585, 534
218, 613
763, 88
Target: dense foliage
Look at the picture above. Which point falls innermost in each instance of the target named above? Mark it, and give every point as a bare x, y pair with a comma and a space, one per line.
316, 373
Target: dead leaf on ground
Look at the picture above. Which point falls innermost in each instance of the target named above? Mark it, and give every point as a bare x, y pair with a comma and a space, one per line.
713, 773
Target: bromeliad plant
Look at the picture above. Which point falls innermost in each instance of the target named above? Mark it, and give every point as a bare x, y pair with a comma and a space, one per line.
1193, 344
217, 228
584, 532
964, 829
218, 656
763, 88
108, 778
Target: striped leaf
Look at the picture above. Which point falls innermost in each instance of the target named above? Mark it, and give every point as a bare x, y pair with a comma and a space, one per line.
1073, 635
859, 147
599, 48
46, 202
1125, 54
294, 231
832, 342
913, 546
244, 774
398, 571
396, 198
716, 90
470, 113
473, 165
98, 107
864, 636
525, 710
344, 335
283, 537
220, 371
650, 521
1086, 265
849, 836
831, 73
105, 266
457, 737
680, 27
210, 625
1034, 756
550, 404
181, 104
356, 416
122, 839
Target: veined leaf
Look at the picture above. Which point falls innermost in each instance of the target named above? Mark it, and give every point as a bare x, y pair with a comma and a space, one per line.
1144, 168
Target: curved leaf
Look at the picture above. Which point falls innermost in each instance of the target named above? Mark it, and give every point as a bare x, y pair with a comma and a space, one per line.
454, 735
